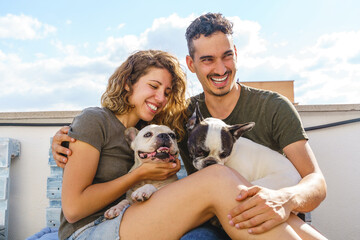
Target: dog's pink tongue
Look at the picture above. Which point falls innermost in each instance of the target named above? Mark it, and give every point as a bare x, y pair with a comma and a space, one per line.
163, 153
163, 149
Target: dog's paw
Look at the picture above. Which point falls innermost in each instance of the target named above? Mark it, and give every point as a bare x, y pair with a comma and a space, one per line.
143, 193
114, 211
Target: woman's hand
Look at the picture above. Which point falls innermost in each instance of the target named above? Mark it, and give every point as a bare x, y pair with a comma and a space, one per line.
157, 171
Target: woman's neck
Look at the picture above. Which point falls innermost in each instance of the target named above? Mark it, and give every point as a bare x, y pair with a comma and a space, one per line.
127, 120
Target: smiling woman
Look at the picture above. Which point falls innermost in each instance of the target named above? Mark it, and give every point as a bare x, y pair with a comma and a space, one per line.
156, 83
148, 84
143, 89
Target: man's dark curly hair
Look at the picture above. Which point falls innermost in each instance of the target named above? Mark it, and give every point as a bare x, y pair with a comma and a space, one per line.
206, 25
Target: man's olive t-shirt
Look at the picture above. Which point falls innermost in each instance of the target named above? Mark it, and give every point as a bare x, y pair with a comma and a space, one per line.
100, 128
277, 123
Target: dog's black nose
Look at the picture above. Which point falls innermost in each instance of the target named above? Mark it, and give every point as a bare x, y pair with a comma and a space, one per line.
163, 139
210, 162
163, 136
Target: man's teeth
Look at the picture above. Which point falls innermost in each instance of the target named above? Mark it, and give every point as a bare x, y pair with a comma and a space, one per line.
219, 79
153, 107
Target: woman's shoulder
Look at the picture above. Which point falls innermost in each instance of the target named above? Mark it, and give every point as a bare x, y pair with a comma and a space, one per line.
92, 126
93, 116
95, 112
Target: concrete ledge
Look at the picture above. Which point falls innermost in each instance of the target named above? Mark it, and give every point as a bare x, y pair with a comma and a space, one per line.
67, 116
38, 117
328, 108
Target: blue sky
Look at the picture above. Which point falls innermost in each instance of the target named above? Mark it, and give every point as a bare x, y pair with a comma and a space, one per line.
58, 55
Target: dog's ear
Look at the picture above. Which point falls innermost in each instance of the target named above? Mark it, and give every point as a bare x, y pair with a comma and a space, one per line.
238, 130
130, 134
199, 117
191, 122
195, 119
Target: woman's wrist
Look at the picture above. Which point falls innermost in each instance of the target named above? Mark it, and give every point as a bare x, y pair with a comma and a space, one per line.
137, 174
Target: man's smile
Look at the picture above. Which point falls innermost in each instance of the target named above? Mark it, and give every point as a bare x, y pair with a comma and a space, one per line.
220, 81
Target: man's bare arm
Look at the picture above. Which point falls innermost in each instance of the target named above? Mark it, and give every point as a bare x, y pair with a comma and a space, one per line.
261, 209
59, 152
311, 190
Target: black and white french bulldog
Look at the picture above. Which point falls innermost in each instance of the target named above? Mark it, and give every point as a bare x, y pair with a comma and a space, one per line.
153, 143
211, 141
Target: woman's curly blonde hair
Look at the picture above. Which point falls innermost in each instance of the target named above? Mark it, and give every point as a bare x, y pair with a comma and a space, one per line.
116, 97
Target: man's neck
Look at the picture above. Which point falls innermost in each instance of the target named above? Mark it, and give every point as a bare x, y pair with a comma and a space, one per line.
222, 106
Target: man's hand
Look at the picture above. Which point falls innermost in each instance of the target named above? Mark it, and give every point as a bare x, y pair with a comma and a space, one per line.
261, 209
57, 149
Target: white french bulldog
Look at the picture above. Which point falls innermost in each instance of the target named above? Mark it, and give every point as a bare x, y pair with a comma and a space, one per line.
211, 141
153, 143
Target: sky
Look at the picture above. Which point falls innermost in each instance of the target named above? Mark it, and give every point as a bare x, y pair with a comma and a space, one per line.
58, 55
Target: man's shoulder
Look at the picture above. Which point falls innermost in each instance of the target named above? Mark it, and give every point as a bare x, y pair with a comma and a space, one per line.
262, 97
257, 92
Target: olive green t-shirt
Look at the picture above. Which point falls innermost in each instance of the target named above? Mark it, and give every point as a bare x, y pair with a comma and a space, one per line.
100, 128
277, 123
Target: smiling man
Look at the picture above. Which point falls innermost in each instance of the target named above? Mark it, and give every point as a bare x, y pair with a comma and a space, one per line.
212, 57
214, 63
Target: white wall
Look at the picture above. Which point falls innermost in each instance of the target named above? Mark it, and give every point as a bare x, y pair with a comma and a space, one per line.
28, 175
337, 150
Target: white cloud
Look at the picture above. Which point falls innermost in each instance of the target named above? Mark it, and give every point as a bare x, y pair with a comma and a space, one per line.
280, 44
247, 36
40, 55
332, 76
127, 43
2, 56
49, 80
120, 26
342, 45
326, 72
23, 27
173, 21
65, 49
46, 83
166, 34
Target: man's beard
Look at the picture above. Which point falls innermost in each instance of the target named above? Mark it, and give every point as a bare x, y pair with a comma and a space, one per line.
219, 94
